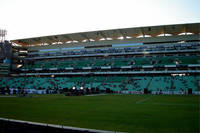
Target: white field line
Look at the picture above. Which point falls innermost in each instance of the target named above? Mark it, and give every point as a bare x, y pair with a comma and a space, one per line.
172, 104
60, 126
97, 95
143, 100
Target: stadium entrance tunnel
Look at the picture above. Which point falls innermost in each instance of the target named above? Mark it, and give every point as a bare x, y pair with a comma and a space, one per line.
189, 91
145, 91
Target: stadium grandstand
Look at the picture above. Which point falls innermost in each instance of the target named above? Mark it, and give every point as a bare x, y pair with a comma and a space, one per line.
154, 59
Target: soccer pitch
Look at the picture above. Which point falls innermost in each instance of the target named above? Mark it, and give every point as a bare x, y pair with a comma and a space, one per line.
126, 113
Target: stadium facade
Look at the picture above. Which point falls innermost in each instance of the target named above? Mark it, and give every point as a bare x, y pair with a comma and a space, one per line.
155, 59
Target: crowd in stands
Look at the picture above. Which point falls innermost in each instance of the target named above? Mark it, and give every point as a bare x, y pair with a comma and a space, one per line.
117, 84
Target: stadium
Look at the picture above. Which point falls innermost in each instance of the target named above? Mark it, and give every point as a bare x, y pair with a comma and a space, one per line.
105, 79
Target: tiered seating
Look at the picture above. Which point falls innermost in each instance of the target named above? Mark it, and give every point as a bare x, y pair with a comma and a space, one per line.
83, 63
187, 82
160, 83
141, 83
11, 82
4, 68
98, 63
190, 60
92, 62
165, 61
115, 83
142, 61
122, 62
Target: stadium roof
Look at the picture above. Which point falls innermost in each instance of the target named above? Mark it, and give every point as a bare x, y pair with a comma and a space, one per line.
113, 34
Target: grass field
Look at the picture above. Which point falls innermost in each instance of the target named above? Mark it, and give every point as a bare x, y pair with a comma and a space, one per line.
127, 113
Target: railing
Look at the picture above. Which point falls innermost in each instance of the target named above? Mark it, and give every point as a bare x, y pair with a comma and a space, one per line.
113, 72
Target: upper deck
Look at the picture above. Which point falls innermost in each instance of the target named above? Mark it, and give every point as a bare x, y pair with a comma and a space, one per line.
149, 34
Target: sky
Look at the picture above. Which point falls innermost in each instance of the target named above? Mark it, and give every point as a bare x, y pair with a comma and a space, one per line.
34, 18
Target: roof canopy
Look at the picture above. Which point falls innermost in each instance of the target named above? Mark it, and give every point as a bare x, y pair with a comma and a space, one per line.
114, 34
